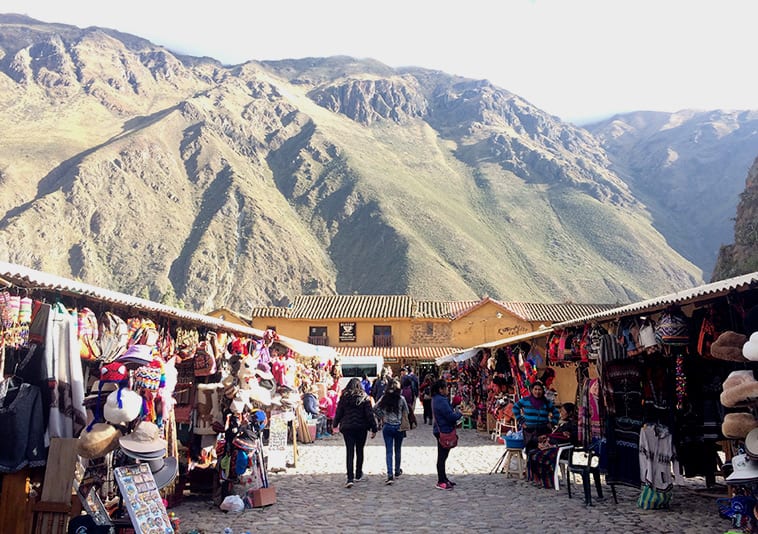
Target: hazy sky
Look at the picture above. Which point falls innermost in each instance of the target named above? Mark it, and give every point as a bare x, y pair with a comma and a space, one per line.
578, 59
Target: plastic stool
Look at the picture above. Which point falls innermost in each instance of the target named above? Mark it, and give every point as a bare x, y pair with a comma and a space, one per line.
467, 422
514, 454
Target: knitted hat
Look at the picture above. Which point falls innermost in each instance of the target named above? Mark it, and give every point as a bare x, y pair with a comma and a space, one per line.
122, 407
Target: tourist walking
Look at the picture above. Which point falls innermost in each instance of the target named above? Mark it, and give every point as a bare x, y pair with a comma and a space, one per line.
390, 410
445, 419
355, 418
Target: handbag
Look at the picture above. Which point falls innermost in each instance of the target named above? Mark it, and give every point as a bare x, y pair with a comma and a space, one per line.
405, 424
449, 440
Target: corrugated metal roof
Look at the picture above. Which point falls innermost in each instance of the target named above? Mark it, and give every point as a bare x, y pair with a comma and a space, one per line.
21, 276
433, 309
406, 352
553, 313
687, 296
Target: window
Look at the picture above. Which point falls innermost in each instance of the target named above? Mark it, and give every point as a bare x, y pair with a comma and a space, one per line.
317, 335
382, 336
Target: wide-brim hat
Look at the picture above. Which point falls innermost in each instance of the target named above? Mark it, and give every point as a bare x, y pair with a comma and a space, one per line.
728, 346
146, 437
137, 354
164, 470
122, 406
258, 394
98, 441
750, 348
738, 425
744, 469
145, 456
739, 389
751, 444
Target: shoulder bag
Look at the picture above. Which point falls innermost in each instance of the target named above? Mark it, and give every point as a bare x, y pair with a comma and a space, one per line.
448, 440
405, 424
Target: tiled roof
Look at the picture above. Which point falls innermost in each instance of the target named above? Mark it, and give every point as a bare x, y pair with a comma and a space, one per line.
270, 312
681, 298
352, 306
406, 352
404, 307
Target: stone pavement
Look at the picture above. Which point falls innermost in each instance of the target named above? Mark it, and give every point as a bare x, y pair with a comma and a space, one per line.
311, 498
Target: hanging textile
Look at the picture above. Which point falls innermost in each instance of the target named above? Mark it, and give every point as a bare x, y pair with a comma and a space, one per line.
67, 416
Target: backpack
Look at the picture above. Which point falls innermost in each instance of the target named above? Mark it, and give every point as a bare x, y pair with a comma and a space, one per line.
89, 350
113, 335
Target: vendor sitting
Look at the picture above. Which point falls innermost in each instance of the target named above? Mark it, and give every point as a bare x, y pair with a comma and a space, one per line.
541, 462
311, 406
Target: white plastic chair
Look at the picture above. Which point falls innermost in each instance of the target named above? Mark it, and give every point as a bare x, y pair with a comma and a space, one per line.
562, 461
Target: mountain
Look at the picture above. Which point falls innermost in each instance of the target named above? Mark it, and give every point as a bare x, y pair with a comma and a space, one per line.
741, 257
688, 168
187, 181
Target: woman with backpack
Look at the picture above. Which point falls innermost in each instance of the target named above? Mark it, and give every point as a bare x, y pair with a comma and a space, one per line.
390, 411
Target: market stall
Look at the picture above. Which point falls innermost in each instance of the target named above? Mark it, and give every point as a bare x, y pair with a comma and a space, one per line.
140, 400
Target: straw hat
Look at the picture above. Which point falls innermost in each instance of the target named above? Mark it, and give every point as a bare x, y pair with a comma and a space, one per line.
101, 439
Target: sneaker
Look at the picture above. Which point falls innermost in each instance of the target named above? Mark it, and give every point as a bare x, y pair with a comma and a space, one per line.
359, 478
443, 486
398, 473
349, 484
451, 483
389, 481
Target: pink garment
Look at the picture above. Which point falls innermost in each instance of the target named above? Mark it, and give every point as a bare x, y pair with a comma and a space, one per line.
278, 368
329, 404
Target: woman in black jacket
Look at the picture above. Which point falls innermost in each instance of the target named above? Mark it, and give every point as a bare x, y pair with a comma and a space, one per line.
354, 417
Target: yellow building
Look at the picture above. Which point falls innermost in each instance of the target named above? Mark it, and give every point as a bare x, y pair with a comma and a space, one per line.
404, 330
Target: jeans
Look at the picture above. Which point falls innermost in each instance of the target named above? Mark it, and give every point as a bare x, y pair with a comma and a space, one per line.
393, 440
320, 423
355, 440
442, 454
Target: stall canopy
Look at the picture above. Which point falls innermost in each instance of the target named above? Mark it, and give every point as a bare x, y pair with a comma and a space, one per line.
697, 294
24, 277
466, 354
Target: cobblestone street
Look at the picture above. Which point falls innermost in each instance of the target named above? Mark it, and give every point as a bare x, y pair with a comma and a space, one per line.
311, 498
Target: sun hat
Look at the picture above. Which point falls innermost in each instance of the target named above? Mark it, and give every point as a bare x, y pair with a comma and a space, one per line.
738, 425
98, 441
750, 348
164, 469
137, 354
122, 406
739, 389
745, 470
146, 437
751, 445
263, 370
